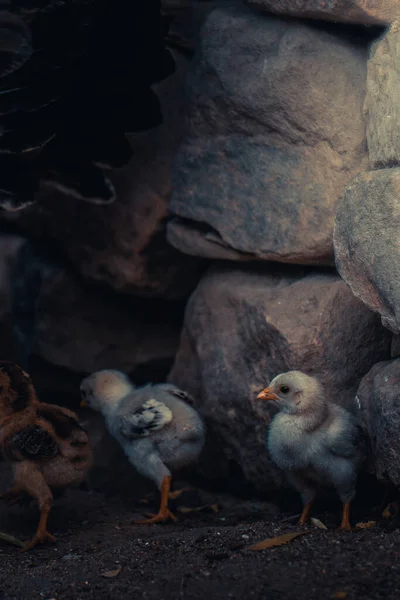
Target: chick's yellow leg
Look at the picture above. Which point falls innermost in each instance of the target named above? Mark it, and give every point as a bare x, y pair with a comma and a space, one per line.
42, 535
30, 479
345, 524
164, 514
306, 513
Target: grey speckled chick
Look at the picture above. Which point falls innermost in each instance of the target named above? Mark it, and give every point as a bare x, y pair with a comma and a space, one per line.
314, 441
157, 429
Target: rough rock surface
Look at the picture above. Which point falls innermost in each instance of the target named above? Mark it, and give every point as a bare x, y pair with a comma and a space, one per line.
372, 12
9, 249
84, 329
366, 242
186, 19
124, 244
275, 132
379, 401
244, 327
381, 106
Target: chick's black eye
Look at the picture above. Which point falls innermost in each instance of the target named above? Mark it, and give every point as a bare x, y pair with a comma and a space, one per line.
83, 393
284, 389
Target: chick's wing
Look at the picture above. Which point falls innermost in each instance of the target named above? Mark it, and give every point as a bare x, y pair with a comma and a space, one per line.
347, 440
31, 442
63, 421
151, 416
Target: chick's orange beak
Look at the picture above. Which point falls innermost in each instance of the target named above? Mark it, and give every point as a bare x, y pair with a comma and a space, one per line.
83, 404
267, 395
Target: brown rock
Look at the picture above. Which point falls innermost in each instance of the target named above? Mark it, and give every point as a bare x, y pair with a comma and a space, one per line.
365, 238
244, 327
381, 107
372, 12
275, 132
84, 329
379, 407
124, 244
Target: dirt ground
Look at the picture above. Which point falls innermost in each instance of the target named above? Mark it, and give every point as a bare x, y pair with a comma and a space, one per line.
203, 556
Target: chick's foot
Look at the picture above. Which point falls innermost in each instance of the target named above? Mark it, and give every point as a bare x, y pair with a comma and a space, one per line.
163, 516
12, 496
42, 537
175, 494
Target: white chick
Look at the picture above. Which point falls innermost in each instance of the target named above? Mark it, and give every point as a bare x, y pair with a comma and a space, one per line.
157, 429
314, 441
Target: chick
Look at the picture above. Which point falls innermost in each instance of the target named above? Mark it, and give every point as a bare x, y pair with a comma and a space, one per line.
314, 441
157, 429
46, 444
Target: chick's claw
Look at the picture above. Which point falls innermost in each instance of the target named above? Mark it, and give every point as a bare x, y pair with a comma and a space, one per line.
10, 497
161, 517
15, 497
22, 499
40, 538
174, 495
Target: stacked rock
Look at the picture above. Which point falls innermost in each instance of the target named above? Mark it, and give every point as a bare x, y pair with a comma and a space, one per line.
275, 133
288, 125
367, 247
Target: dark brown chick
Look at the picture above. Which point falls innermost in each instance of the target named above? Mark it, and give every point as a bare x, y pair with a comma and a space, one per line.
47, 445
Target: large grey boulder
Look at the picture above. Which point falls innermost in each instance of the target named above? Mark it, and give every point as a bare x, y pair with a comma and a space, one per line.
275, 132
382, 110
374, 12
243, 327
378, 398
366, 240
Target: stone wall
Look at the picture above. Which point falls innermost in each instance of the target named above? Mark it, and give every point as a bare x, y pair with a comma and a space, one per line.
278, 156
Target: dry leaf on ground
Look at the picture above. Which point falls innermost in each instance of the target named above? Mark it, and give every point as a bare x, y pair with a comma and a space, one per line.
277, 541
113, 573
188, 509
366, 525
